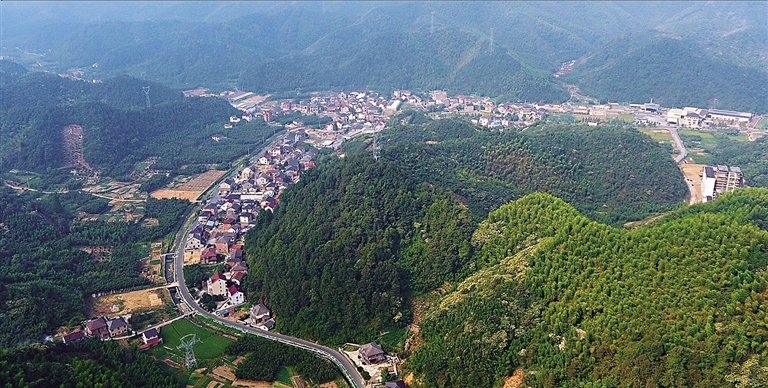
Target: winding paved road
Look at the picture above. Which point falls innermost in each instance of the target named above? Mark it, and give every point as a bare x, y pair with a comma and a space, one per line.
349, 370
678, 144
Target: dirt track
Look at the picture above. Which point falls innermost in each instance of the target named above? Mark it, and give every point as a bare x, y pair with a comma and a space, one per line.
692, 174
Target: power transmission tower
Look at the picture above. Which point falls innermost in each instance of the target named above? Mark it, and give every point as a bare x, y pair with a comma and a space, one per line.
490, 45
187, 342
432, 23
146, 92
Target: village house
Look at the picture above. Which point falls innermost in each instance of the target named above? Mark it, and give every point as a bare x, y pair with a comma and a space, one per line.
97, 328
194, 242
208, 256
150, 335
217, 285
259, 313
372, 353
237, 277
236, 297
73, 337
117, 327
151, 339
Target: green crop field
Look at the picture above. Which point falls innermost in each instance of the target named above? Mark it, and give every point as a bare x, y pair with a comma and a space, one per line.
658, 135
284, 376
762, 124
627, 118
212, 345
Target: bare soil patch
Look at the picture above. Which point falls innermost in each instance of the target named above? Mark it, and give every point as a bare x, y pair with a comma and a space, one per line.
73, 147
692, 174
190, 190
516, 380
224, 372
251, 384
192, 257
129, 302
167, 193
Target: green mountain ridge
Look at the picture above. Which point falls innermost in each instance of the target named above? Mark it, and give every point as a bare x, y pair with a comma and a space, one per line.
613, 175
673, 71
118, 129
677, 303
312, 46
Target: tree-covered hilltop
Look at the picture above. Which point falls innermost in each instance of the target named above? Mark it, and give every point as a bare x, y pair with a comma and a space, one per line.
118, 129
349, 243
89, 363
613, 175
28, 89
45, 271
577, 303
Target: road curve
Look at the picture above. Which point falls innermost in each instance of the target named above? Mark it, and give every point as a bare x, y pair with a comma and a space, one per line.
678, 144
348, 369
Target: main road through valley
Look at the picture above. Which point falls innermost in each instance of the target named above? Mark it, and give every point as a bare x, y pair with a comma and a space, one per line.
349, 370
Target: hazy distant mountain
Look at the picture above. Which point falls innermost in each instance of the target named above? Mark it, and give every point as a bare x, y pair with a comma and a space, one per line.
674, 72
506, 49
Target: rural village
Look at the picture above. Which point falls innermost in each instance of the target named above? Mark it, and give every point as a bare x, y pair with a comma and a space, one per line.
217, 232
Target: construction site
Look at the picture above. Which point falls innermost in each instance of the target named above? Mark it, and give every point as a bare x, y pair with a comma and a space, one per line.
717, 180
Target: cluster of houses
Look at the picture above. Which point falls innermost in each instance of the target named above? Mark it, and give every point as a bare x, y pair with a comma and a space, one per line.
221, 224
101, 327
360, 111
106, 328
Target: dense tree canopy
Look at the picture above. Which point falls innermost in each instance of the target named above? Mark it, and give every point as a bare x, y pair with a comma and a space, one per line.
677, 303
44, 270
90, 363
118, 129
349, 243
613, 175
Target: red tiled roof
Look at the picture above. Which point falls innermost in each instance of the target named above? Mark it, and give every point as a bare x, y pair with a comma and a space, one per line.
217, 276
74, 336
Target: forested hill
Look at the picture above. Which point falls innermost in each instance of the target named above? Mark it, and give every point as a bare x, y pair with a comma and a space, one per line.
575, 303
613, 175
673, 72
118, 129
350, 243
355, 232
45, 272
43, 89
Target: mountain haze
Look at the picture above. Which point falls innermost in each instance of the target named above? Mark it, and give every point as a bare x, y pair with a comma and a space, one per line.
501, 49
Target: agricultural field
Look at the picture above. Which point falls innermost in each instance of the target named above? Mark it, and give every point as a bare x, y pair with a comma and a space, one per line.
698, 142
660, 135
192, 189
763, 123
211, 345
151, 267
